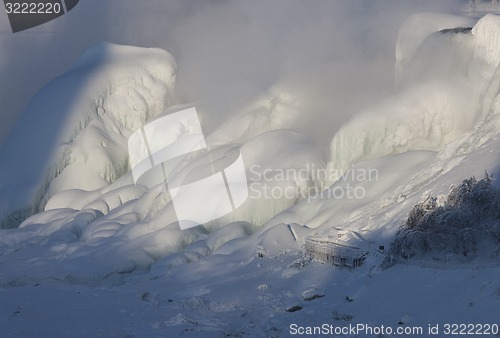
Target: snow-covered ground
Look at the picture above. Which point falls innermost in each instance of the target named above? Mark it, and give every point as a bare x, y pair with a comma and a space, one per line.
86, 252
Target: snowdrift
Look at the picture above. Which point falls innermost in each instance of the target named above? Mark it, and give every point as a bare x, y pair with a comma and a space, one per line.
78, 186
92, 223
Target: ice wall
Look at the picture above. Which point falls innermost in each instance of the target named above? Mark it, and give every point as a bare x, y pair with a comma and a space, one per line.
484, 69
487, 36
73, 133
454, 89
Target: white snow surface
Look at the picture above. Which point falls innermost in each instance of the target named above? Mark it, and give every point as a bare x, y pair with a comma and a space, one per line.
99, 234
435, 109
73, 134
416, 29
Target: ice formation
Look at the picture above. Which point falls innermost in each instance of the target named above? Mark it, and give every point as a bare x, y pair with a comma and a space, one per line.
436, 108
91, 222
416, 29
73, 142
73, 133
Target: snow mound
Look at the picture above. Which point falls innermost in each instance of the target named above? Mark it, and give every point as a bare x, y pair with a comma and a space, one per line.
102, 236
290, 151
73, 133
90, 220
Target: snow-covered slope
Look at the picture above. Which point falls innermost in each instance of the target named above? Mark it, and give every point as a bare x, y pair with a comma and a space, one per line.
433, 132
73, 134
440, 126
415, 30
81, 190
451, 96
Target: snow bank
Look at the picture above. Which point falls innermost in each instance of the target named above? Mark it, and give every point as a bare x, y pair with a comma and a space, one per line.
73, 133
97, 225
97, 236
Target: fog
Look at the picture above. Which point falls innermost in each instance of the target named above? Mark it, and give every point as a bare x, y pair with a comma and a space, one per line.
332, 57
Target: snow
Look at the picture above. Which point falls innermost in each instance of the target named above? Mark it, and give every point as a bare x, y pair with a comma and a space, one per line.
276, 110
487, 39
416, 28
114, 251
61, 142
435, 110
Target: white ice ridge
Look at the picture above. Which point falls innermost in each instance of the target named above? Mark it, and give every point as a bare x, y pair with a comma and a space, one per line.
73, 134
487, 36
437, 108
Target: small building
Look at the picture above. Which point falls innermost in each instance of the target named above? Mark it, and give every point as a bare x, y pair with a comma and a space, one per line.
337, 250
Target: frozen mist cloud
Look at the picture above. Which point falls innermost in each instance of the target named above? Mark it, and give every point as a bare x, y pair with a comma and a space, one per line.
334, 57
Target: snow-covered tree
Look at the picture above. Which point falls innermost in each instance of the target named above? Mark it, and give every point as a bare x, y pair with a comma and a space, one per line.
464, 225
